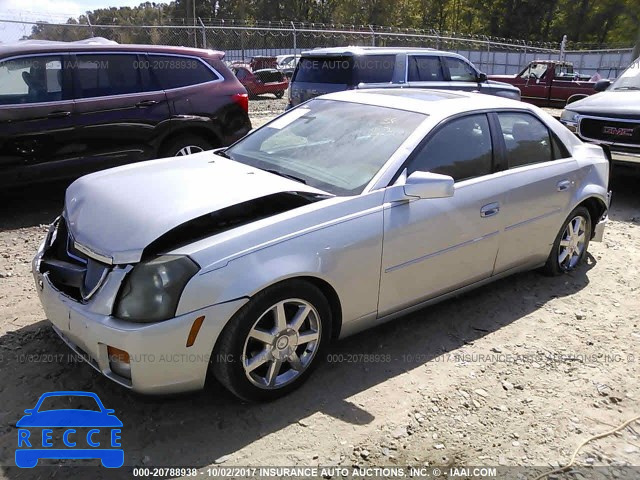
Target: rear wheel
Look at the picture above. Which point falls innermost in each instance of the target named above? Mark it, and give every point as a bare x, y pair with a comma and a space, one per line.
186, 145
570, 247
271, 346
279, 94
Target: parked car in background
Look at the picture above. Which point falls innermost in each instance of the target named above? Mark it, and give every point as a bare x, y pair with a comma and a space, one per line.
343, 213
326, 70
67, 109
262, 61
550, 83
287, 64
612, 117
267, 80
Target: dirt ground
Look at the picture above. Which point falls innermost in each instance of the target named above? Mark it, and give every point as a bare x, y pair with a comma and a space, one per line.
517, 373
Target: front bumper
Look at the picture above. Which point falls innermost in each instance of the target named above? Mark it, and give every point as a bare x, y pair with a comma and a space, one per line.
627, 158
160, 360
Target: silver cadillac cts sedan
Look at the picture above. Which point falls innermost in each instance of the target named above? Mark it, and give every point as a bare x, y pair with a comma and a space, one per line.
345, 212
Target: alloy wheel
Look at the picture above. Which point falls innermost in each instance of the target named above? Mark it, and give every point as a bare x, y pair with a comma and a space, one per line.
572, 243
188, 150
282, 343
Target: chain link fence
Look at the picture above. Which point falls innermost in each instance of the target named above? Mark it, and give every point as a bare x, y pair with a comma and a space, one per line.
242, 41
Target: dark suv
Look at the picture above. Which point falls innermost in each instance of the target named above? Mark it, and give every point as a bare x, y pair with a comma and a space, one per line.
327, 70
67, 109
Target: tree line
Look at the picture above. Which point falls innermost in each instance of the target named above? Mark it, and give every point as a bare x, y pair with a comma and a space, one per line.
598, 22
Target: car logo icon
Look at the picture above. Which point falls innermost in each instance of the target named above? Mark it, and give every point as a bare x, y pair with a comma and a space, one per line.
81, 433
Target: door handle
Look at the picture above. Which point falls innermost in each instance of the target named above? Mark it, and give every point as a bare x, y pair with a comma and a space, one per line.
146, 103
490, 210
564, 185
58, 114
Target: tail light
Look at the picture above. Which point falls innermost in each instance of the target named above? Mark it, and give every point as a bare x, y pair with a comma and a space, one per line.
241, 99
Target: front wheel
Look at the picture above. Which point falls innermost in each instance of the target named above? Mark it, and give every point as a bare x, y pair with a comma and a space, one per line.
272, 344
570, 247
279, 94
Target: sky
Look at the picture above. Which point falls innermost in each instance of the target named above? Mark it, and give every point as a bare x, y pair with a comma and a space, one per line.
47, 10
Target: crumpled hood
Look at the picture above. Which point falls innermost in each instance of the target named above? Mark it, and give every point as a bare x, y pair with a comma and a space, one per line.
116, 213
622, 103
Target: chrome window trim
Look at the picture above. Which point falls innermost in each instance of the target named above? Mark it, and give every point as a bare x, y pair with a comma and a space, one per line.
219, 76
611, 119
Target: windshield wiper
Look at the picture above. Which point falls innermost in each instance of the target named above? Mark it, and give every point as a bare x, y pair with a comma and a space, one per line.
285, 175
627, 88
223, 153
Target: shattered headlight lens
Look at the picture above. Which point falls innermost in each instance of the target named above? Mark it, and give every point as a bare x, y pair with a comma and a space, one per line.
152, 290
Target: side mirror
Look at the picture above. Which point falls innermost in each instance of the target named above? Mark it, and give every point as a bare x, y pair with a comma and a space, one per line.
602, 85
29, 411
428, 185
482, 77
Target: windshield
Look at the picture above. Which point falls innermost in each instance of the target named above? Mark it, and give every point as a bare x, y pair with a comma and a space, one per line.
630, 78
335, 146
76, 402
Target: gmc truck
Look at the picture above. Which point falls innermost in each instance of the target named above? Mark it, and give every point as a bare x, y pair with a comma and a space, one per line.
550, 83
611, 118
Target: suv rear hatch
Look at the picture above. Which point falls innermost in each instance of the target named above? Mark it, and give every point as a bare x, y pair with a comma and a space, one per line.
321, 74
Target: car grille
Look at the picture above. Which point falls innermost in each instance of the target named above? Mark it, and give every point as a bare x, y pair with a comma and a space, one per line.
70, 270
622, 132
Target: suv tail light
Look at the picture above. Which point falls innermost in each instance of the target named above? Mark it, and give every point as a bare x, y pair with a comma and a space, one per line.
241, 99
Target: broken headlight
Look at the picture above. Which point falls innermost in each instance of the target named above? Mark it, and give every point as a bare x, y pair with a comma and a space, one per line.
151, 291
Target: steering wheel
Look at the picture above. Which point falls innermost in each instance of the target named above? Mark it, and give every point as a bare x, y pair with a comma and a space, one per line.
533, 75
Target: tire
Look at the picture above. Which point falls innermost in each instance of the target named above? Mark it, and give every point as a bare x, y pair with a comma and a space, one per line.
282, 362
279, 94
570, 250
179, 145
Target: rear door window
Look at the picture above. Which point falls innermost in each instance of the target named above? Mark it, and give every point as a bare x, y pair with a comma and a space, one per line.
374, 68
172, 71
31, 80
527, 139
337, 70
102, 75
425, 68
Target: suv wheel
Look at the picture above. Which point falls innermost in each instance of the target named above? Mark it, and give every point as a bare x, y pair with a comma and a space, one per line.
186, 145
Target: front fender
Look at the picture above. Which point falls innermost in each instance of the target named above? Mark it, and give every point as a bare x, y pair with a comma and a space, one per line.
346, 255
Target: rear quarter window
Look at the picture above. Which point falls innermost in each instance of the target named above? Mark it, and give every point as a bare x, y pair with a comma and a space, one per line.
374, 68
338, 70
171, 71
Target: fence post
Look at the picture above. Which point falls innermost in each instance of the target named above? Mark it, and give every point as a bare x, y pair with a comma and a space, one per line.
242, 43
204, 33
563, 46
295, 41
90, 26
373, 36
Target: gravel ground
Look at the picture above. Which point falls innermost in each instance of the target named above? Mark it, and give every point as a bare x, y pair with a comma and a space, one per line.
517, 373
266, 106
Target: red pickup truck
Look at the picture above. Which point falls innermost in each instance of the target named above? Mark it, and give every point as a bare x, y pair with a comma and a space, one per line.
549, 83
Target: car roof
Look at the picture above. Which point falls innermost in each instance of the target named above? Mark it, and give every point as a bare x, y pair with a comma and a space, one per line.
431, 102
357, 50
97, 45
